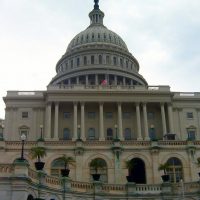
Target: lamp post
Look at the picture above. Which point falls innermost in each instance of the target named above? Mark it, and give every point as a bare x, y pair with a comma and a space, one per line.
1, 133
41, 132
23, 138
116, 133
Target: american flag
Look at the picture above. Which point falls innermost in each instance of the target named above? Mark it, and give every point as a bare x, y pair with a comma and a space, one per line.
104, 82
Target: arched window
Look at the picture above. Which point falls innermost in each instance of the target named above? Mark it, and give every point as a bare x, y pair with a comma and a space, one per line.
85, 60
175, 170
66, 134
56, 167
102, 170
127, 134
91, 134
92, 59
100, 59
109, 134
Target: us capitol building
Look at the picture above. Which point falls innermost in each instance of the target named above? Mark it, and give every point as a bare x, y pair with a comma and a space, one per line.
98, 107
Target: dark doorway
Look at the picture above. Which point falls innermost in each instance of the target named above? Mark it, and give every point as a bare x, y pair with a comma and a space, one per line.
30, 197
138, 171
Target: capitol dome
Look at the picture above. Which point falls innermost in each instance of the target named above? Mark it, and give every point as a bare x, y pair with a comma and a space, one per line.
97, 55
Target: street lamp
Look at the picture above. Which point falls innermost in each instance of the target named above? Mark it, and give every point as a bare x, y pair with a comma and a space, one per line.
116, 133
41, 132
23, 138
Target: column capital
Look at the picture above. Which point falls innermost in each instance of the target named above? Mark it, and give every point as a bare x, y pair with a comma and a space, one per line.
144, 103
56, 102
169, 104
49, 103
75, 102
137, 103
82, 103
162, 103
119, 103
101, 102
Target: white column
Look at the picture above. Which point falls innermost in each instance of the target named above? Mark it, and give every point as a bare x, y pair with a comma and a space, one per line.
75, 122
170, 115
86, 79
96, 79
115, 77
181, 124
69, 81
48, 122
83, 121
101, 124
124, 81
120, 128
146, 132
56, 121
77, 80
163, 119
139, 132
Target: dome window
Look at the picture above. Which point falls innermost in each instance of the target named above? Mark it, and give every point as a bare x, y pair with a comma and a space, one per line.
127, 63
104, 36
110, 38
72, 64
78, 62
85, 60
100, 59
121, 62
92, 36
99, 36
114, 60
107, 59
87, 38
92, 60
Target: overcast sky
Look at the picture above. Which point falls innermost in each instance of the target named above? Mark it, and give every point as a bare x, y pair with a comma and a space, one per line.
164, 36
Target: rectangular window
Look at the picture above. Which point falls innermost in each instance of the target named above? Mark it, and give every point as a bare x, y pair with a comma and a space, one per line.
126, 115
24, 114
91, 115
151, 115
190, 115
109, 115
67, 115
191, 134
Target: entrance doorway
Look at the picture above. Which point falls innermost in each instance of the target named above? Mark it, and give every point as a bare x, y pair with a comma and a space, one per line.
138, 172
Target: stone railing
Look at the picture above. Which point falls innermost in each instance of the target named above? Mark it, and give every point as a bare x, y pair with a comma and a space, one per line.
81, 186
109, 87
57, 184
148, 189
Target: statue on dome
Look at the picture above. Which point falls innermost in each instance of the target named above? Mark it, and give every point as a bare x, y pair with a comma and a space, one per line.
96, 6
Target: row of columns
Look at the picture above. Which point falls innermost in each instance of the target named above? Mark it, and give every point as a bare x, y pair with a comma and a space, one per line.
96, 80
81, 134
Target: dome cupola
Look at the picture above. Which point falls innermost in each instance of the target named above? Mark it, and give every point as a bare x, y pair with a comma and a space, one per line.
97, 55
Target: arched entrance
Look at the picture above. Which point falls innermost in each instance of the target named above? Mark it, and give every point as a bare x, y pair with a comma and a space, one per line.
30, 197
137, 172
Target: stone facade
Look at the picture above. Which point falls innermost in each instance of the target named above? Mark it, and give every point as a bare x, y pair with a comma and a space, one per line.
98, 106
